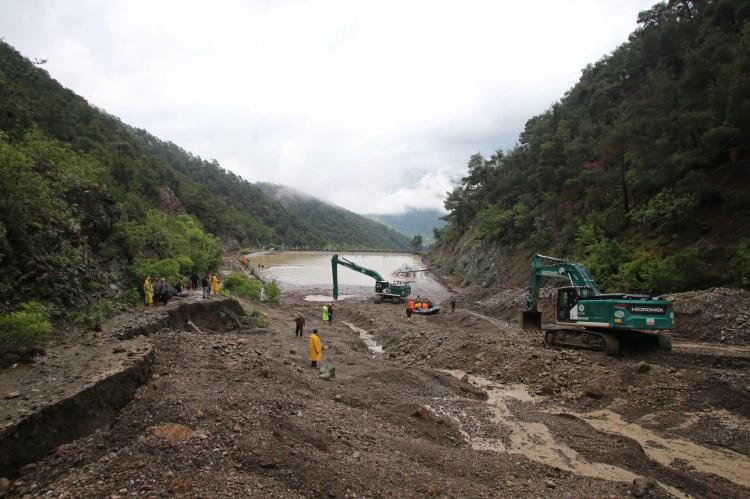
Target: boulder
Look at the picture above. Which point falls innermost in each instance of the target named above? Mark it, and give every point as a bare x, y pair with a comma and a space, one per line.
595, 389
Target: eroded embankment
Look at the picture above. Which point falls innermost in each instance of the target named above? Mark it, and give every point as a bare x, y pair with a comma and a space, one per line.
78, 387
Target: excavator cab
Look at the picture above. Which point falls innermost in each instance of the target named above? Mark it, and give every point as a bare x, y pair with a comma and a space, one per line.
567, 300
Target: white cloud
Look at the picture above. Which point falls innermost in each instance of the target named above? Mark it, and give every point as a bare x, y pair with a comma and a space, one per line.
372, 105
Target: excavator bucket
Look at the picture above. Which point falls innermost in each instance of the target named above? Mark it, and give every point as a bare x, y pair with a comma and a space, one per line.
531, 320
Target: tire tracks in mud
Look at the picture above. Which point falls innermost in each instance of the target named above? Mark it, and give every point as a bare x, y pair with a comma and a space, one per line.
538, 442
501, 430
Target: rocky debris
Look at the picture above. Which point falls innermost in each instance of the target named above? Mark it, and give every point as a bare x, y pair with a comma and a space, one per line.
595, 389
264, 424
719, 315
716, 315
642, 486
12, 395
173, 432
643, 367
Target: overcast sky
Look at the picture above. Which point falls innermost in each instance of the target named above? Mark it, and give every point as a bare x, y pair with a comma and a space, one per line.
372, 105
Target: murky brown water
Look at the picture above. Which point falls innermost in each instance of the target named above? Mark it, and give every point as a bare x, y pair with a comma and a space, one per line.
312, 270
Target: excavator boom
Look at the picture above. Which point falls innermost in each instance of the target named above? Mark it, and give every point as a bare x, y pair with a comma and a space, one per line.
382, 287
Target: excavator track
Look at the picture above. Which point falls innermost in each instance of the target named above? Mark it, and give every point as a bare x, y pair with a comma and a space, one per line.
584, 338
665, 342
605, 341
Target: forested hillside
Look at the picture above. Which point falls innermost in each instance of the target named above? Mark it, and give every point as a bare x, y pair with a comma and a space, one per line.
90, 205
341, 228
642, 169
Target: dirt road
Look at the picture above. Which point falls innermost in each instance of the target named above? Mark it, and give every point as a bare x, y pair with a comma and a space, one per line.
458, 404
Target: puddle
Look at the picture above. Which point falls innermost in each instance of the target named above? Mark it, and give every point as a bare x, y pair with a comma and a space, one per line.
725, 463
372, 345
325, 298
533, 440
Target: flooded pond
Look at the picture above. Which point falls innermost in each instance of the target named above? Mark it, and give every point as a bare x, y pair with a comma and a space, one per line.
311, 270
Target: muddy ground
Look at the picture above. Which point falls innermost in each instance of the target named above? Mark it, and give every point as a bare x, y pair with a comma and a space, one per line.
459, 404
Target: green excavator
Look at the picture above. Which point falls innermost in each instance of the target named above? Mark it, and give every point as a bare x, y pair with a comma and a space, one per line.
587, 318
394, 291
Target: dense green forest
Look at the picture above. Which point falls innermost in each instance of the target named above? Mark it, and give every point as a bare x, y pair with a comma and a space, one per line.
341, 228
642, 169
90, 205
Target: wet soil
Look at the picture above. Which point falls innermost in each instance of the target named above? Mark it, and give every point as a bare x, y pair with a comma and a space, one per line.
457, 404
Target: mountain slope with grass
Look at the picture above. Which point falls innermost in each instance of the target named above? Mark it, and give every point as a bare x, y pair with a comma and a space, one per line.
641, 171
340, 227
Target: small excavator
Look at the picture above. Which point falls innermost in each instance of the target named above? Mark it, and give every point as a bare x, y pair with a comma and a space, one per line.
587, 318
394, 291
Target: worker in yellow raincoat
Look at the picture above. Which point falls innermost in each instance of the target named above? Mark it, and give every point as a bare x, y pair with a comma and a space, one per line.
148, 292
315, 348
325, 314
215, 284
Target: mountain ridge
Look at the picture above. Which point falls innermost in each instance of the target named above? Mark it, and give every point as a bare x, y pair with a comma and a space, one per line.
322, 215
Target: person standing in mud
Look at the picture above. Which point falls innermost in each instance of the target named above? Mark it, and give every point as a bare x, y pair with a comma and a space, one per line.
299, 326
330, 314
409, 311
206, 283
325, 314
315, 348
453, 304
193, 281
148, 291
215, 285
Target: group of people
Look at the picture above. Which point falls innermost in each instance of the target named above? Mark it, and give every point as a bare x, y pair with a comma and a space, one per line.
210, 285
418, 303
424, 305
315, 348
159, 290
162, 290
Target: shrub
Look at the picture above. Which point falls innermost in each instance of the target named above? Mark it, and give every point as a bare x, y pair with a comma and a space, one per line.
246, 251
170, 247
682, 271
168, 268
272, 291
240, 284
24, 328
603, 259
133, 296
668, 209
95, 315
259, 318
